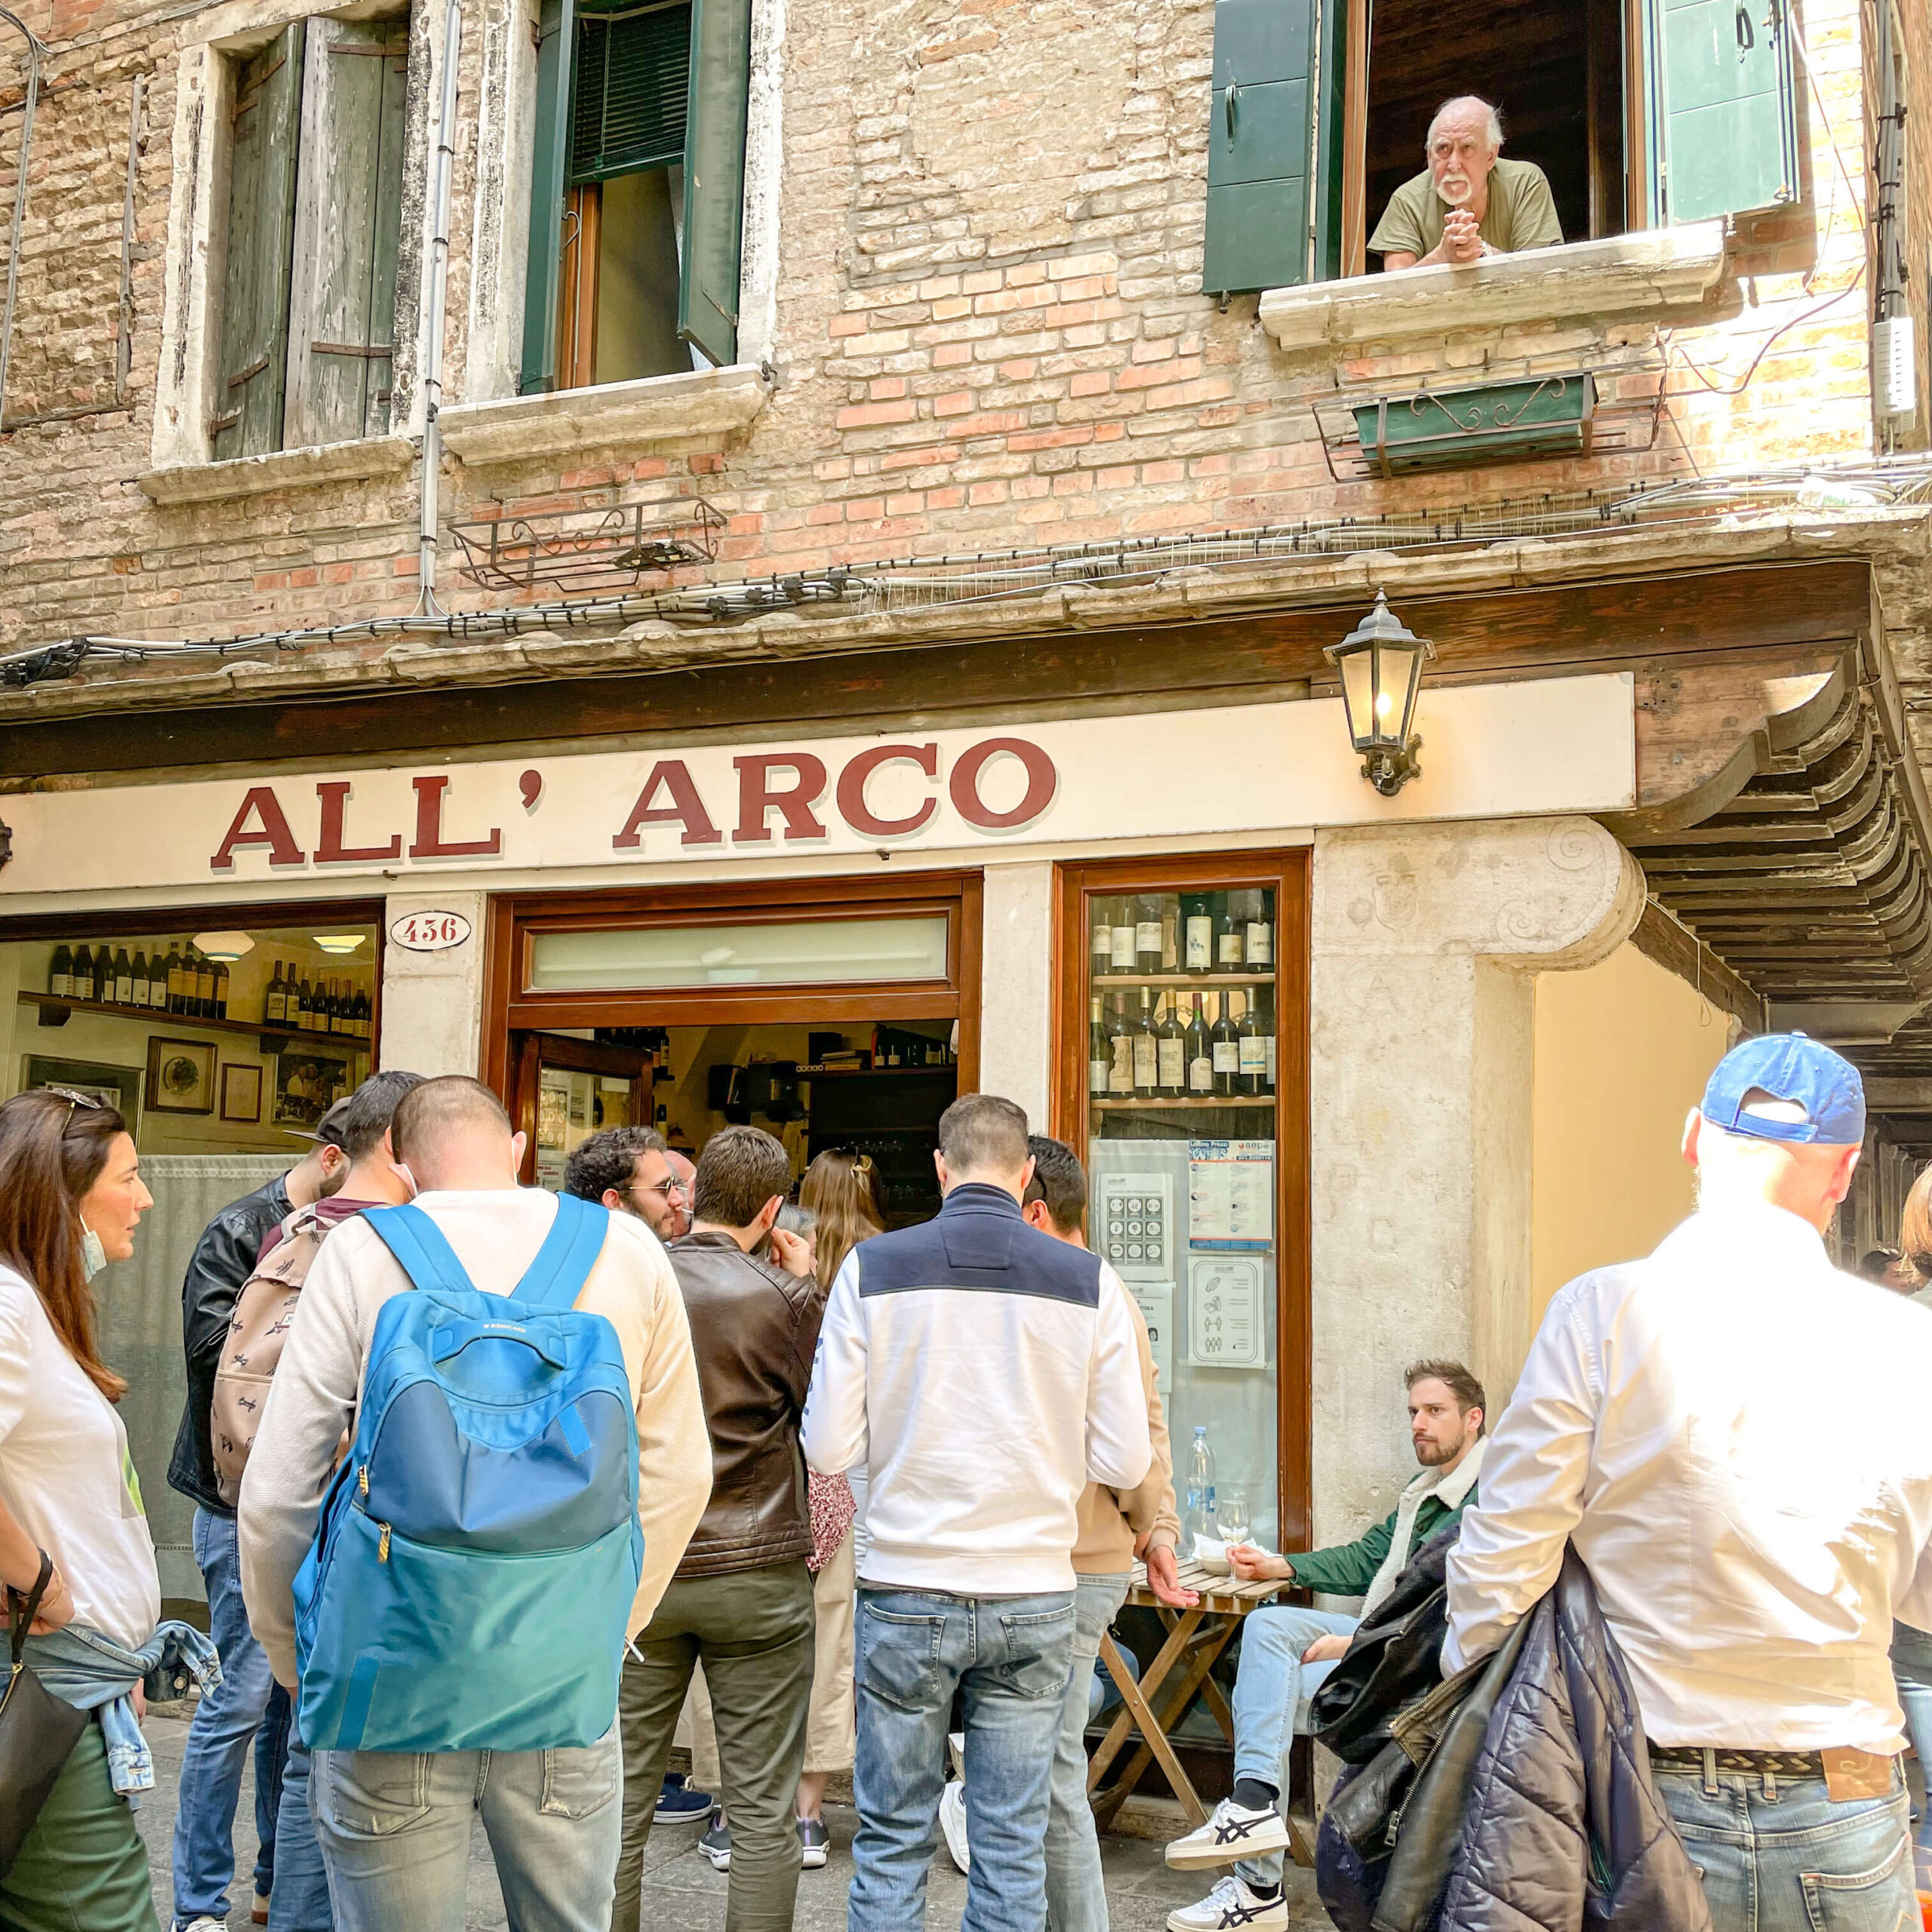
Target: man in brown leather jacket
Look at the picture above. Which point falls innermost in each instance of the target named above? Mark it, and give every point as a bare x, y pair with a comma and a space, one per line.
741, 1600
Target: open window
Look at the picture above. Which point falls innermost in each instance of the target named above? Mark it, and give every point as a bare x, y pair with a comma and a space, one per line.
1640, 112
637, 190
315, 216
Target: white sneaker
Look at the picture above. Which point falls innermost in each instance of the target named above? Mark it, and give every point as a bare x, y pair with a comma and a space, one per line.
952, 1822
1229, 1904
1232, 1834
955, 1746
204, 1923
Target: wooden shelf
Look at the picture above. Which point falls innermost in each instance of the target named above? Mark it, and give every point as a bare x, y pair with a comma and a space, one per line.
1215, 1104
155, 1019
873, 1073
1204, 982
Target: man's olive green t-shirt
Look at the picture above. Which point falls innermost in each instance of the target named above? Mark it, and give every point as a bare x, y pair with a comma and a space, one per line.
1521, 214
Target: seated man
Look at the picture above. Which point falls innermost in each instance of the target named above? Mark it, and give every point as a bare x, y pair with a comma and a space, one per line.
1286, 1651
1468, 203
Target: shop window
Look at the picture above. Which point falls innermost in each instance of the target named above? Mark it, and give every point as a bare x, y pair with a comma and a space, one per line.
1641, 112
314, 214
636, 191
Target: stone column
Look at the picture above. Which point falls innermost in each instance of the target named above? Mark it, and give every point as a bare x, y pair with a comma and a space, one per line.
1016, 1002
432, 1002
1425, 941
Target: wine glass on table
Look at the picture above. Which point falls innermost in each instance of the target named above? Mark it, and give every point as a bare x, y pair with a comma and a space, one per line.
1231, 1523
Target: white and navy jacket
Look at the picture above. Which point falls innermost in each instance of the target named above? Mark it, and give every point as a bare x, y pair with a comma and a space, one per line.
985, 1374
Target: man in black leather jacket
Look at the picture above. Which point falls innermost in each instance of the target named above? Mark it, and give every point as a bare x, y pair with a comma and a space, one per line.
222, 1260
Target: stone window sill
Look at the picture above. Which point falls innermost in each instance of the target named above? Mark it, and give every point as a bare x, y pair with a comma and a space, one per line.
284, 470
705, 402
1657, 268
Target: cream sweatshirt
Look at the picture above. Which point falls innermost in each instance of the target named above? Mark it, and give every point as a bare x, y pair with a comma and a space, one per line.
318, 1383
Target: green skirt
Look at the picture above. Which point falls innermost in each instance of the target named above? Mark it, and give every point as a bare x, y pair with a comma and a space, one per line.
84, 1868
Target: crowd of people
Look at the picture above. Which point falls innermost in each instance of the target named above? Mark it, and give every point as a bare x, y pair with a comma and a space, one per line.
500, 1494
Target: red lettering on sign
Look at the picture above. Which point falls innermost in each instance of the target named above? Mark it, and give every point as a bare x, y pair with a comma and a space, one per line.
852, 806
271, 830
686, 809
756, 797
330, 850
1042, 782
430, 843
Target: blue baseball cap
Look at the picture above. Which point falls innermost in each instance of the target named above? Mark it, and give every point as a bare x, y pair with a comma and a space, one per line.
1788, 1066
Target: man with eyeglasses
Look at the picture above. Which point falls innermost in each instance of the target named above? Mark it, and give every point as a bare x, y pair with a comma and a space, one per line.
629, 1170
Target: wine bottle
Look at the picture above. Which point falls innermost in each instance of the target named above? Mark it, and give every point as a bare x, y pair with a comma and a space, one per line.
1260, 934
1120, 949
176, 990
1100, 950
157, 981
1147, 933
1170, 934
220, 1011
1120, 1046
103, 977
123, 994
1230, 929
1264, 1001
138, 990
1099, 1054
305, 1007
364, 1012
1173, 1082
274, 1001
60, 972
1146, 1049
1197, 934
333, 1011
1253, 1054
204, 986
1227, 1051
80, 983
190, 980
1200, 1053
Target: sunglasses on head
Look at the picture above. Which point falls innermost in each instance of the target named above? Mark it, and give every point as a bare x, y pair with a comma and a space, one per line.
73, 1100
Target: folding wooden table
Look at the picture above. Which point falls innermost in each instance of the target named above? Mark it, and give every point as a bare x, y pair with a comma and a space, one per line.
1195, 1638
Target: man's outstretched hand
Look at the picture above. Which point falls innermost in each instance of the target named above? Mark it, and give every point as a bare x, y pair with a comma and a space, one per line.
1164, 1579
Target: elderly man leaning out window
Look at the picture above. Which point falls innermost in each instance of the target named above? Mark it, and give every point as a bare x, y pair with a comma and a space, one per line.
1469, 202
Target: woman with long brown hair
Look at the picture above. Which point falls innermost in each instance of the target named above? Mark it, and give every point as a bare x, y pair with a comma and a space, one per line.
841, 1189
70, 1195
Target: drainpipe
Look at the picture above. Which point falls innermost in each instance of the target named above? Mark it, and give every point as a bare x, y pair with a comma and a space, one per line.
427, 605
1894, 357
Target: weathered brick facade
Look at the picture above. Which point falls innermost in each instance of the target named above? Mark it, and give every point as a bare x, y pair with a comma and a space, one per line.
987, 326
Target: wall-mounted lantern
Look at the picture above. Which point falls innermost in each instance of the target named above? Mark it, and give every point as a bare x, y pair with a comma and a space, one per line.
1380, 665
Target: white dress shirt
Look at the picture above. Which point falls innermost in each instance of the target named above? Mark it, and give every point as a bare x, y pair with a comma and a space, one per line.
1738, 1438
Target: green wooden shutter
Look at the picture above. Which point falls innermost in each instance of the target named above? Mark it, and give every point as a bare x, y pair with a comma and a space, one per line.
721, 57
347, 224
630, 107
1724, 130
246, 420
1260, 142
555, 69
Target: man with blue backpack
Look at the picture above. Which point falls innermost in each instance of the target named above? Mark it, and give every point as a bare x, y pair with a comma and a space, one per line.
527, 1459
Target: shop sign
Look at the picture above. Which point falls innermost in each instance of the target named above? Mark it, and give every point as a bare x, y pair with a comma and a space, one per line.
430, 932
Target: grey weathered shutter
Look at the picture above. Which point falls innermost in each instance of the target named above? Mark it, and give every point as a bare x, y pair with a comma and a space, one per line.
555, 68
721, 58
347, 224
246, 420
1724, 129
1260, 145
631, 106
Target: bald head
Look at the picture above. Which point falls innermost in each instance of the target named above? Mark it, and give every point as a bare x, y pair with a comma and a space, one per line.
1807, 1179
452, 1132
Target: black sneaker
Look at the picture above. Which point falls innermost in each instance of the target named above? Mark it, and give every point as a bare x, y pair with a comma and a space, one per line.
716, 1843
679, 1804
814, 1843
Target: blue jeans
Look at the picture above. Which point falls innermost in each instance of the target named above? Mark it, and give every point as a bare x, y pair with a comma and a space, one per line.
394, 1827
233, 1715
1272, 1687
300, 1900
1076, 1893
1008, 1660
1778, 1855
1911, 1671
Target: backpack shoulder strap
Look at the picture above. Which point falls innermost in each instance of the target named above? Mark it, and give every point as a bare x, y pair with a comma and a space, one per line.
420, 1247
556, 1277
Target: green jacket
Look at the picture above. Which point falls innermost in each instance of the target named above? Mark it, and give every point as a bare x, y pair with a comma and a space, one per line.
1349, 1568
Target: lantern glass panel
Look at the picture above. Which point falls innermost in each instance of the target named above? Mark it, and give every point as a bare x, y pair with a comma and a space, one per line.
1358, 694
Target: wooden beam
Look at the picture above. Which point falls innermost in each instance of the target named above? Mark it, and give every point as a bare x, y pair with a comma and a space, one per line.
1676, 948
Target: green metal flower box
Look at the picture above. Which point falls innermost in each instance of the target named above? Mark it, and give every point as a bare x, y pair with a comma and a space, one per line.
1483, 422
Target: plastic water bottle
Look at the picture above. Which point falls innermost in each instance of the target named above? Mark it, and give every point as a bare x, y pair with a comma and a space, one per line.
1200, 1518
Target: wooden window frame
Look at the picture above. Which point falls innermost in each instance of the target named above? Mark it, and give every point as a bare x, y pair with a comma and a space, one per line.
1287, 872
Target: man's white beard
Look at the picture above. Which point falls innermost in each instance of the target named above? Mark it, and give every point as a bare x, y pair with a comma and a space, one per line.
1455, 191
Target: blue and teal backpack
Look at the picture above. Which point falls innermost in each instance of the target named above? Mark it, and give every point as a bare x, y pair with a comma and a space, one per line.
472, 1575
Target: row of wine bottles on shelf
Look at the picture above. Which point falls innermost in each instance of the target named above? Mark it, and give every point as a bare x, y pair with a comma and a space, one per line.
1183, 932
186, 983
1166, 1048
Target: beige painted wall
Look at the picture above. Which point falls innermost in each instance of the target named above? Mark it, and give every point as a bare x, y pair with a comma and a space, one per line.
1622, 1051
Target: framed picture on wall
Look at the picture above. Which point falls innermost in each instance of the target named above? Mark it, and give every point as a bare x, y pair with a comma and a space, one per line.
307, 1083
180, 1075
118, 1086
240, 1092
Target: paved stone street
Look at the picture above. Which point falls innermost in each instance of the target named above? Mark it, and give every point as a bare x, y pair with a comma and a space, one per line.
683, 1894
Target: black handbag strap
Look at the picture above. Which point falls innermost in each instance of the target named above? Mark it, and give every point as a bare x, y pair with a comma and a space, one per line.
25, 1608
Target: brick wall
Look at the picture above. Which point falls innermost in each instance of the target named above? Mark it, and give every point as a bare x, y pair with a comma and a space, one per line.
989, 330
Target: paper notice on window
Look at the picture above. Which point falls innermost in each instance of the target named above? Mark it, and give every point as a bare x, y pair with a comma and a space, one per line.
1155, 1300
1225, 1327
1231, 1194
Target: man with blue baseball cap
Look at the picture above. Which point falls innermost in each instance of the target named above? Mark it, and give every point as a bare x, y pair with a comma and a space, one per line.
1733, 1434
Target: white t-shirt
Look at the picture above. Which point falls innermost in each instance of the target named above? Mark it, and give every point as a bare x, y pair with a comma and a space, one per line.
67, 1475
